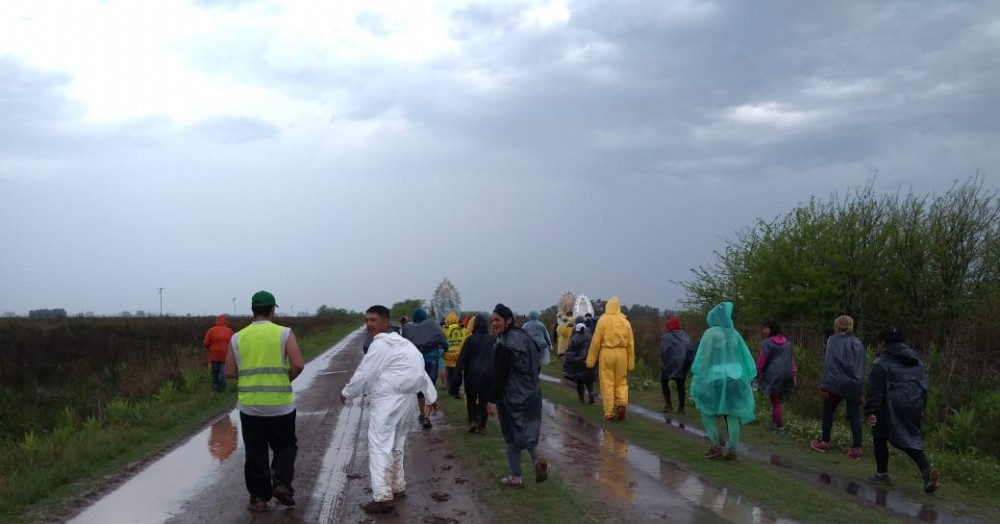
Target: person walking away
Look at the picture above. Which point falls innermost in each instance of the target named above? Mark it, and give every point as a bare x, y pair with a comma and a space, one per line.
564, 331
217, 343
575, 362
515, 398
425, 334
475, 368
537, 331
391, 373
894, 408
776, 371
613, 346
454, 335
676, 354
720, 385
265, 357
843, 379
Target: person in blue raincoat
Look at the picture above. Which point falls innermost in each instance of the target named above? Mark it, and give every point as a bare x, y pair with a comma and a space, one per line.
534, 328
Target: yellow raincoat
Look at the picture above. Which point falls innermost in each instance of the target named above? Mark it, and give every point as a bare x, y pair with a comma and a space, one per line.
455, 335
613, 346
563, 333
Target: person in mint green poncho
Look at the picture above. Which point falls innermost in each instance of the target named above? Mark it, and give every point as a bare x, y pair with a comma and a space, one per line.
722, 371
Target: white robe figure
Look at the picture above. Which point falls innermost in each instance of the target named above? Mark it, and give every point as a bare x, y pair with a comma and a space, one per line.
392, 373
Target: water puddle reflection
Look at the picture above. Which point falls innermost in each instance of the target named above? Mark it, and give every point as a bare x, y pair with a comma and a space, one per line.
640, 478
891, 500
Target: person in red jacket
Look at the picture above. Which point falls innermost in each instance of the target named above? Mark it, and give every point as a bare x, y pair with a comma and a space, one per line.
217, 343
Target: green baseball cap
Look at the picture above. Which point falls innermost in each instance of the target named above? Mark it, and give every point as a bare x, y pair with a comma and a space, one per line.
262, 298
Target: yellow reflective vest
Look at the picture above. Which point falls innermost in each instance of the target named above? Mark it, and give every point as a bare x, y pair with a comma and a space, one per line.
455, 335
263, 373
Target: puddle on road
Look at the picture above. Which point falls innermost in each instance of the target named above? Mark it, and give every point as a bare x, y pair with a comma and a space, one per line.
652, 486
891, 500
159, 491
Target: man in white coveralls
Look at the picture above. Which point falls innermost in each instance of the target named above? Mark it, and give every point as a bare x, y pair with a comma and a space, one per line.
391, 373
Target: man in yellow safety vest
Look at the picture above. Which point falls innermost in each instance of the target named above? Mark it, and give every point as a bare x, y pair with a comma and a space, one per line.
266, 358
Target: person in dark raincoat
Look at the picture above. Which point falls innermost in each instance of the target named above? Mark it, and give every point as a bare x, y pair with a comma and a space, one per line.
575, 362
676, 355
425, 333
720, 385
516, 398
776, 372
843, 380
896, 399
475, 368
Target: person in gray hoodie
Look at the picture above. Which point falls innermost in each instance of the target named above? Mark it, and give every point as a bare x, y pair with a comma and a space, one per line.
843, 379
897, 396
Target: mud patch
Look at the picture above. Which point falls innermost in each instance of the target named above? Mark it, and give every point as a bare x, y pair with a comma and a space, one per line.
461, 480
446, 467
434, 519
440, 497
354, 476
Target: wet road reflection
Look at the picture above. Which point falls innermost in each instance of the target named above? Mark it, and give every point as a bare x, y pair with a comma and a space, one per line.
224, 438
891, 500
634, 476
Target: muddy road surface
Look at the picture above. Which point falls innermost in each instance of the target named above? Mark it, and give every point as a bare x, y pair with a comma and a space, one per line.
201, 480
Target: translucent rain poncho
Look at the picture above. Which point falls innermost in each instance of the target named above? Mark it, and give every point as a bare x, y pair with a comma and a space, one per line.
723, 369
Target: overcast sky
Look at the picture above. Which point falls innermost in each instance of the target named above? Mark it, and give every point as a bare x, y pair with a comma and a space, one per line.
352, 153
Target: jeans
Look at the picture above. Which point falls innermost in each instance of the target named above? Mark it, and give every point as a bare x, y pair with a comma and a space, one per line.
219, 376
830, 404
431, 367
514, 458
259, 435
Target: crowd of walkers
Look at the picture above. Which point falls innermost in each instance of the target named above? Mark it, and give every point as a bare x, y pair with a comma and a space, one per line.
497, 363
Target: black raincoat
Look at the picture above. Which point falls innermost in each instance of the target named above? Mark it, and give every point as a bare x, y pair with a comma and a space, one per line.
575, 361
475, 363
776, 377
897, 396
515, 388
844, 366
676, 354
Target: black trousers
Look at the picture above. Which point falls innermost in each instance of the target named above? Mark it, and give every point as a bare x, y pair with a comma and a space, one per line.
881, 446
261, 434
584, 384
830, 404
475, 404
665, 387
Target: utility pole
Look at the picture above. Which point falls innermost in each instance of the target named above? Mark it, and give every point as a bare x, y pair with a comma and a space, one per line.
234, 306
160, 291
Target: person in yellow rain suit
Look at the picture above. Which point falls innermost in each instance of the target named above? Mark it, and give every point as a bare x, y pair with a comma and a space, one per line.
455, 335
613, 346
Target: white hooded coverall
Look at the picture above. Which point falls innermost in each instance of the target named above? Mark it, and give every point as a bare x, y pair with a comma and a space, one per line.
392, 373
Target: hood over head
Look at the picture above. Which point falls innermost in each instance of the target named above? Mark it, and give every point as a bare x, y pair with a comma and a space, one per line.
721, 315
902, 353
222, 320
673, 324
480, 324
419, 315
580, 327
533, 315
613, 307
451, 318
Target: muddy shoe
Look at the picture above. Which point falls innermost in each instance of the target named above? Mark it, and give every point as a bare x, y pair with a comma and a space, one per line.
590, 400
511, 482
931, 480
258, 506
399, 494
541, 470
284, 494
381, 506
730, 456
620, 412
425, 422
880, 478
714, 452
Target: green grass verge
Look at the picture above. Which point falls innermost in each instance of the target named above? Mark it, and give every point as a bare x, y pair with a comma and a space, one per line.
764, 485
484, 460
42, 474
